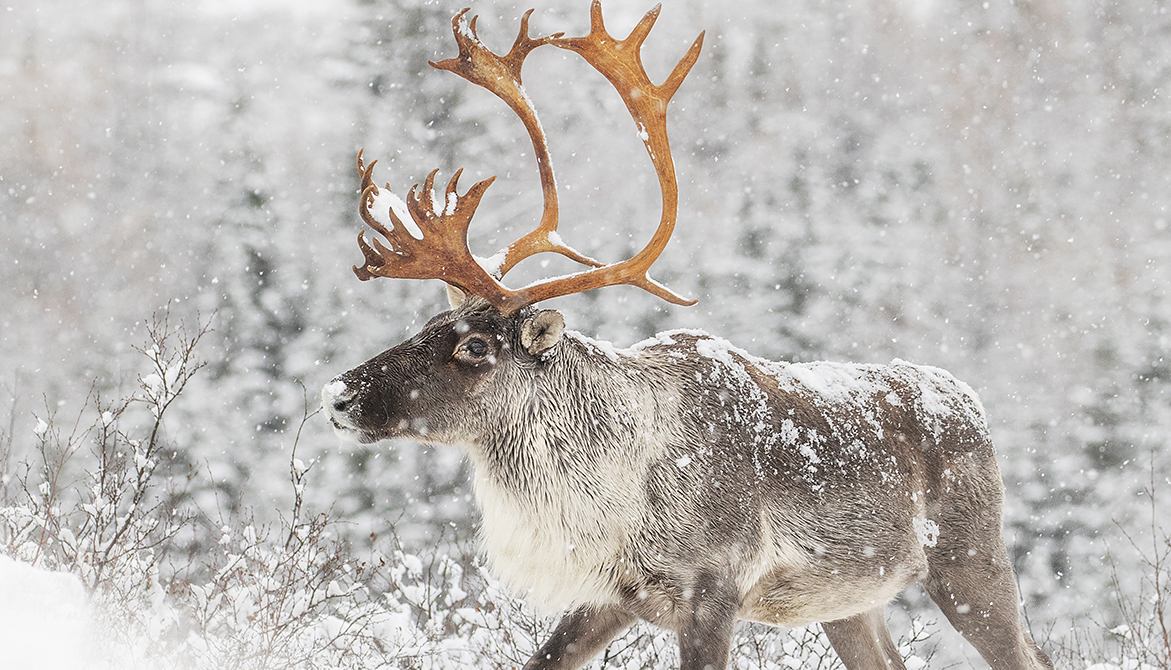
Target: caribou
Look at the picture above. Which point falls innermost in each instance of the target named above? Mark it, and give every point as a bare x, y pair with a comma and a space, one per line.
680, 481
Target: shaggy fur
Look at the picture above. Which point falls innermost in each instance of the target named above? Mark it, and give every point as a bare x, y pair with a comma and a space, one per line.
689, 484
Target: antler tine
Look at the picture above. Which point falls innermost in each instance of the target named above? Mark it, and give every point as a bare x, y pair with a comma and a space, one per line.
620, 62
379, 255
440, 251
423, 210
369, 190
502, 76
375, 258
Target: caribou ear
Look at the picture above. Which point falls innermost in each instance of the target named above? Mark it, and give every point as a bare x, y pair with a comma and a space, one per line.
455, 297
541, 331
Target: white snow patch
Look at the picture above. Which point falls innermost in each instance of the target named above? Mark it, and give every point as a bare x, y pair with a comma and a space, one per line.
386, 201
607, 349
465, 30
836, 383
555, 239
491, 264
335, 388
433, 202
915, 663
791, 435
661, 338
45, 619
927, 531
410, 562
942, 396
809, 454
715, 349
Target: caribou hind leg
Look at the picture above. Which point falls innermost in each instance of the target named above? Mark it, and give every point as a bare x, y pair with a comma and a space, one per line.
969, 575
579, 636
975, 589
863, 642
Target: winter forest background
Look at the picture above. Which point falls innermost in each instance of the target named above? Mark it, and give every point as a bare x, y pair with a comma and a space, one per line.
979, 186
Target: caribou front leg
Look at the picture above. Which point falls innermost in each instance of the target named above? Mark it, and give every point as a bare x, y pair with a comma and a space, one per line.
705, 633
579, 636
863, 642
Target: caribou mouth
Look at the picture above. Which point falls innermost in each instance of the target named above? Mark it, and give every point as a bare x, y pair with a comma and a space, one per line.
351, 434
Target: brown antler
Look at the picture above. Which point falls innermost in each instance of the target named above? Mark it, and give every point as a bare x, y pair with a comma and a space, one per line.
441, 250
501, 76
621, 63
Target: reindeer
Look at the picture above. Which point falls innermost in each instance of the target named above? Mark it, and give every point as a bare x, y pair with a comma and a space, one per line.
681, 481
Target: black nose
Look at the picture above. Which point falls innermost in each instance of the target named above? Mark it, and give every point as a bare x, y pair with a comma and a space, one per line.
337, 397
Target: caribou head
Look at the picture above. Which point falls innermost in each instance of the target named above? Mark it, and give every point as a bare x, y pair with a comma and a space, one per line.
465, 354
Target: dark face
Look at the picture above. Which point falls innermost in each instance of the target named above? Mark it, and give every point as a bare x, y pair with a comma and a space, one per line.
433, 387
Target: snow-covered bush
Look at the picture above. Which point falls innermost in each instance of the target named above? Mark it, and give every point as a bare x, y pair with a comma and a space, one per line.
90, 504
1137, 634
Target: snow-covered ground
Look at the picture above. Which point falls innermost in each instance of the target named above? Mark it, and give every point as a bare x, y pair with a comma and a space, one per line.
47, 622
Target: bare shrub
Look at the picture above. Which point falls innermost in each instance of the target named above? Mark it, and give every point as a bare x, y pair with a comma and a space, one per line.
89, 504
1137, 636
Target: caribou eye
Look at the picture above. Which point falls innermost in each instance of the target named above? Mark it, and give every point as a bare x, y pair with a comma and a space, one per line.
475, 349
